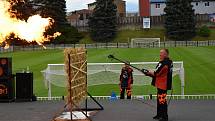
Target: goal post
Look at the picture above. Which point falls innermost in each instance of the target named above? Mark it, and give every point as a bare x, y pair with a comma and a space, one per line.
145, 42
108, 73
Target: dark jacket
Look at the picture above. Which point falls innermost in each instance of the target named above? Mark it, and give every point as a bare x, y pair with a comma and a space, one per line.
126, 77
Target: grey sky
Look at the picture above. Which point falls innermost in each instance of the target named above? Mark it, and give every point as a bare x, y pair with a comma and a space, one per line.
132, 5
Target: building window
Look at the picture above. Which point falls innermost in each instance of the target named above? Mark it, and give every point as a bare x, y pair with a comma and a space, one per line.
81, 17
197, 3
207, 4
157, 5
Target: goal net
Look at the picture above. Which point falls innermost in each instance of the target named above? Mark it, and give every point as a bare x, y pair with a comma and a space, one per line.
145, 42
107, 73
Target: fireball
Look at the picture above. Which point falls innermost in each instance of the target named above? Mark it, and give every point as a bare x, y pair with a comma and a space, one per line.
31, 30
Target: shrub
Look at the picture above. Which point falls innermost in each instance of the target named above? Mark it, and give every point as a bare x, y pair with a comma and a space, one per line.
204, 31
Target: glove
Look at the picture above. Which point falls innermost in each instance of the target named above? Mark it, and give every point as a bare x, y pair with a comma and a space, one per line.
145, 71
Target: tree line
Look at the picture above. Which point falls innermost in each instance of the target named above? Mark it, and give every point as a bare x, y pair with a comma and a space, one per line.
56, 9
180, 21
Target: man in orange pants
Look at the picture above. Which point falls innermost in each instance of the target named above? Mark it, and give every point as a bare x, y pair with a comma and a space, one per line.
126, 81
162, 80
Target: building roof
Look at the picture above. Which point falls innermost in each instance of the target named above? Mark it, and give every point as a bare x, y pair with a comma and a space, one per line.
157, 1
162, 1
94, 3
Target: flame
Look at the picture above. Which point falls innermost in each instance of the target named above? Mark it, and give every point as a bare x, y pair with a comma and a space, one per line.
31, 30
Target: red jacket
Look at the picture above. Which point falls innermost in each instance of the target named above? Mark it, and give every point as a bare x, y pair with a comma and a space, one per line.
162, 78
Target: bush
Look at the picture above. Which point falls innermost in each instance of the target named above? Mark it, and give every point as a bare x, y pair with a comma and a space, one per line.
204, 31
69, 35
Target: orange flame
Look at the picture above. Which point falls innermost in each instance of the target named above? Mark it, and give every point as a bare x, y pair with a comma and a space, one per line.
31, 30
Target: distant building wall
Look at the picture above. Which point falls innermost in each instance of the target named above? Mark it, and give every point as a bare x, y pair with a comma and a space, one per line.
144, 8
201, 8
156, 7
121, 7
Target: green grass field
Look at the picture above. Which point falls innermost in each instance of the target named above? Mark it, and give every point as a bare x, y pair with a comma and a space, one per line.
126, 35
199, 63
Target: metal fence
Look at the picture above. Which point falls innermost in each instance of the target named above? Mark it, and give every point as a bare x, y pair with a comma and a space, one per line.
113, 45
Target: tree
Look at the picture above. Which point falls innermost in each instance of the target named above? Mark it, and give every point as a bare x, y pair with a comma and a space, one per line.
20, 9
180, 22
69, 35
56, 9
102, 23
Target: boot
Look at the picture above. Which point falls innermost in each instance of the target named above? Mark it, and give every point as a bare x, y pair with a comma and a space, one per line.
163, 119
157, 117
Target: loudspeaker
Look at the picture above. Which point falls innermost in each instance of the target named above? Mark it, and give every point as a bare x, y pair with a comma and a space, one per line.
7, 92
24, 86
6, 80
5, 67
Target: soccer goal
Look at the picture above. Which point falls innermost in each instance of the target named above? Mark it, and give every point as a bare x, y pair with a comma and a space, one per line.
107, 73
145, 42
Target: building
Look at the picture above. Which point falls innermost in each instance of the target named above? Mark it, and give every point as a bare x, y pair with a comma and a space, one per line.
79, 18
156, 7
132, 14
121, 7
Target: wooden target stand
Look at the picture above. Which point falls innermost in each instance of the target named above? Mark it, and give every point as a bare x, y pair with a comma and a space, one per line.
76, 70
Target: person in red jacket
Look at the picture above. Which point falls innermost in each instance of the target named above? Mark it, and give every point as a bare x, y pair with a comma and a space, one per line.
126, 81
162, 80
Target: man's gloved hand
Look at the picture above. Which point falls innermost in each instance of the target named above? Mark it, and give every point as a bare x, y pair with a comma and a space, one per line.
145, 71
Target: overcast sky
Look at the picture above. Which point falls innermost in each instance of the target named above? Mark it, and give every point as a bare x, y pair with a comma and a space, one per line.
132, 5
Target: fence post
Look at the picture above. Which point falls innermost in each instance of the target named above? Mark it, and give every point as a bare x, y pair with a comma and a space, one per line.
186, 43
164, 44
85, 45
175, 43
106, 45
96, 45
208, 43
117, 44
197, 44
128, 45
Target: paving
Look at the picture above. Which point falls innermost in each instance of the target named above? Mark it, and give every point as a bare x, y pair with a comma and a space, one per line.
119, 110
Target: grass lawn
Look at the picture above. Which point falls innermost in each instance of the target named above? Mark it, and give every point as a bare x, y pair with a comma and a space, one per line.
199, 63
126, 35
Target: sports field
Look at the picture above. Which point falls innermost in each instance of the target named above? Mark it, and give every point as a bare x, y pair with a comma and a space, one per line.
199, 63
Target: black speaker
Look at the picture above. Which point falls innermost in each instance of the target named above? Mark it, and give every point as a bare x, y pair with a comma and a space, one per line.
5, 67
7, 92
6, 80
24, 86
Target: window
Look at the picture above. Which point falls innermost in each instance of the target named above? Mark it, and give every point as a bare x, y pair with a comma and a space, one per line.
81, 16
207, 4
157, 5
197, 3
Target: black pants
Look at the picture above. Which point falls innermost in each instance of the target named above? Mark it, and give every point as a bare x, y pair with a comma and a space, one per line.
122, 93
162, 103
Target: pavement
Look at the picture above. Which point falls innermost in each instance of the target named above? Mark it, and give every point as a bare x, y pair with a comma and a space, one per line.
119, 110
